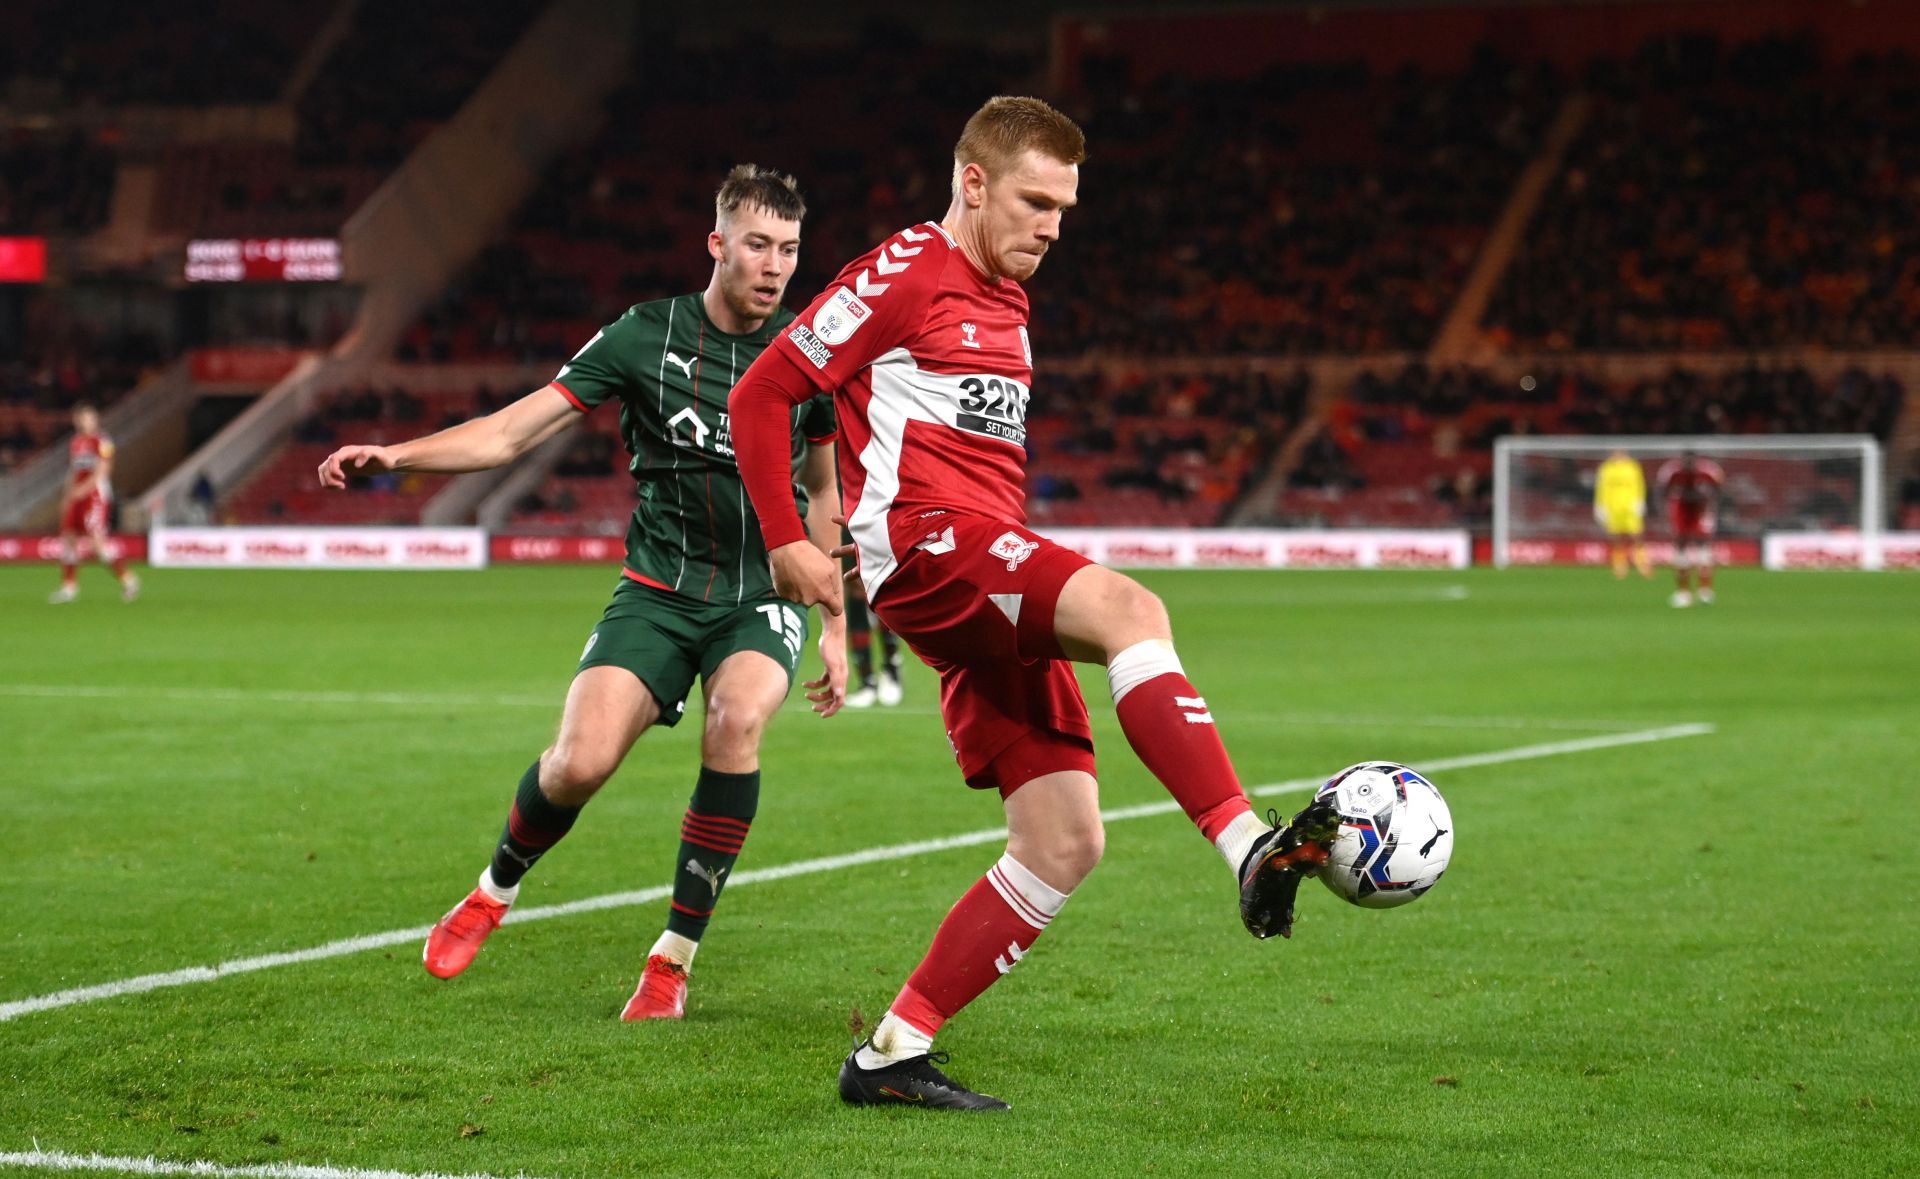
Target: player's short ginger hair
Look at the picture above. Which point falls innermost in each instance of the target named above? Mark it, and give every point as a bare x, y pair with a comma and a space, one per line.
1003, 129
751, 186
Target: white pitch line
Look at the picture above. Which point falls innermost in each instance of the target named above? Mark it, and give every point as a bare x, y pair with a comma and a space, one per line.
1339, 720
57, 1160
553, 702
873, 855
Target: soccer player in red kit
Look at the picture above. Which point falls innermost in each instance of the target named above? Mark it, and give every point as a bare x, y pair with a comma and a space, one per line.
85, 505
1691, 486
924, 343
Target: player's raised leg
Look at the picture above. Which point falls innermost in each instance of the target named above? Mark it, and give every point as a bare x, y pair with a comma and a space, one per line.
607, 709
742, 695
1054, 839
1108, 618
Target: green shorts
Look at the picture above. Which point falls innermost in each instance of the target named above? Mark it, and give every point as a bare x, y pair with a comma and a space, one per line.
666, 639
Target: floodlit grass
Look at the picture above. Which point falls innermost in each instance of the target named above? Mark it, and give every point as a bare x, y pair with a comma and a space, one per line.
1685, 957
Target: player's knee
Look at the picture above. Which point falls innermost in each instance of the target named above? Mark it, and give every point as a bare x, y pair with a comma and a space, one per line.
1067, 855
1087, 848
1137, 615
732, 730
571, 773
1123, 613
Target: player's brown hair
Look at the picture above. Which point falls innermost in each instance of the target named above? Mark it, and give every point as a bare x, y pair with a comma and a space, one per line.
751, 186
1007, 126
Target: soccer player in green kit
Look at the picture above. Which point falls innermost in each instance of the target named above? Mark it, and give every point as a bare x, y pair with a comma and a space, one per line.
695, 597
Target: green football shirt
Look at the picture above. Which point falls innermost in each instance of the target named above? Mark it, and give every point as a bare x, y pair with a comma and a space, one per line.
669, 367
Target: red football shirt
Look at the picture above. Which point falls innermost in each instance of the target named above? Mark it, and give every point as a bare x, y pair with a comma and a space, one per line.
931, 368
84, 454
1690, 493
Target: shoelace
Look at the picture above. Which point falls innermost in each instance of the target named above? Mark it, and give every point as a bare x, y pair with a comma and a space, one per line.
660, 984
469, 920
923, 1070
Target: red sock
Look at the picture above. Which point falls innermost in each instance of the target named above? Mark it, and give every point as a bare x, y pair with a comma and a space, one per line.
1169, 727
68, 572
120, 568
981, 939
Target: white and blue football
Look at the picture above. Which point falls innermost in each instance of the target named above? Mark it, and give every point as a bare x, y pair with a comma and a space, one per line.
1396, 835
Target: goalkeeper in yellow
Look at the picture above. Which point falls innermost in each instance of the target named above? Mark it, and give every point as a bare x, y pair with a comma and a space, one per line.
1620, 505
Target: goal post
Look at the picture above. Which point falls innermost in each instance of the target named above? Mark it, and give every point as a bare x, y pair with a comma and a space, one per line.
1543, 485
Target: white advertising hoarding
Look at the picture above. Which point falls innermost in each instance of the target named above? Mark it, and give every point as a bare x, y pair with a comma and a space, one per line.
1267, 548
318, 548
1841, 550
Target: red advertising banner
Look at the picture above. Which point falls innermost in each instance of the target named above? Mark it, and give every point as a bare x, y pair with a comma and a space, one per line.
556, 549
24, 549
23, 259
248, 366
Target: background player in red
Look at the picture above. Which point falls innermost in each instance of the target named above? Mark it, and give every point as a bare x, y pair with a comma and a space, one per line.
924, 342
86, 507
1691, 486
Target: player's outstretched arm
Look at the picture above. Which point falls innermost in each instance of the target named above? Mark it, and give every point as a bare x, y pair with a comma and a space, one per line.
478, 445
829, 692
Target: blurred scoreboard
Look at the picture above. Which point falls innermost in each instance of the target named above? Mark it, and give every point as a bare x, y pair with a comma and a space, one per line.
264, 259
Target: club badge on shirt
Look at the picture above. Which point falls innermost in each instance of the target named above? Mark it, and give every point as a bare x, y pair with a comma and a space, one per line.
840, 316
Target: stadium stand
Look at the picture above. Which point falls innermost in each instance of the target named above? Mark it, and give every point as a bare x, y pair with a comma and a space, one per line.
1303, 209
625, 218
64, 359
186, 53
1747, 196
236, 189
402, 70
53, 181
282, 490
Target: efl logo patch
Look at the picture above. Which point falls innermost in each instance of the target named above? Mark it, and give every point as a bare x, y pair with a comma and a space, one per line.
810, 346
1013, 549
839, 317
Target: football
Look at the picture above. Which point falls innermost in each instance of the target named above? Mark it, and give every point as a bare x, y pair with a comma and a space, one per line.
1395, 839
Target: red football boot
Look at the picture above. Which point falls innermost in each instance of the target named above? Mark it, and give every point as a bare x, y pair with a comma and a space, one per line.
460, 934
662, 993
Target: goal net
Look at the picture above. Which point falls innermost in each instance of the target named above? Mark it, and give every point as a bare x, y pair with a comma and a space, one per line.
1543, 487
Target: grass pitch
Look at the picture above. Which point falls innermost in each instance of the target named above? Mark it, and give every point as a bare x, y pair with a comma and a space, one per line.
1688, 956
